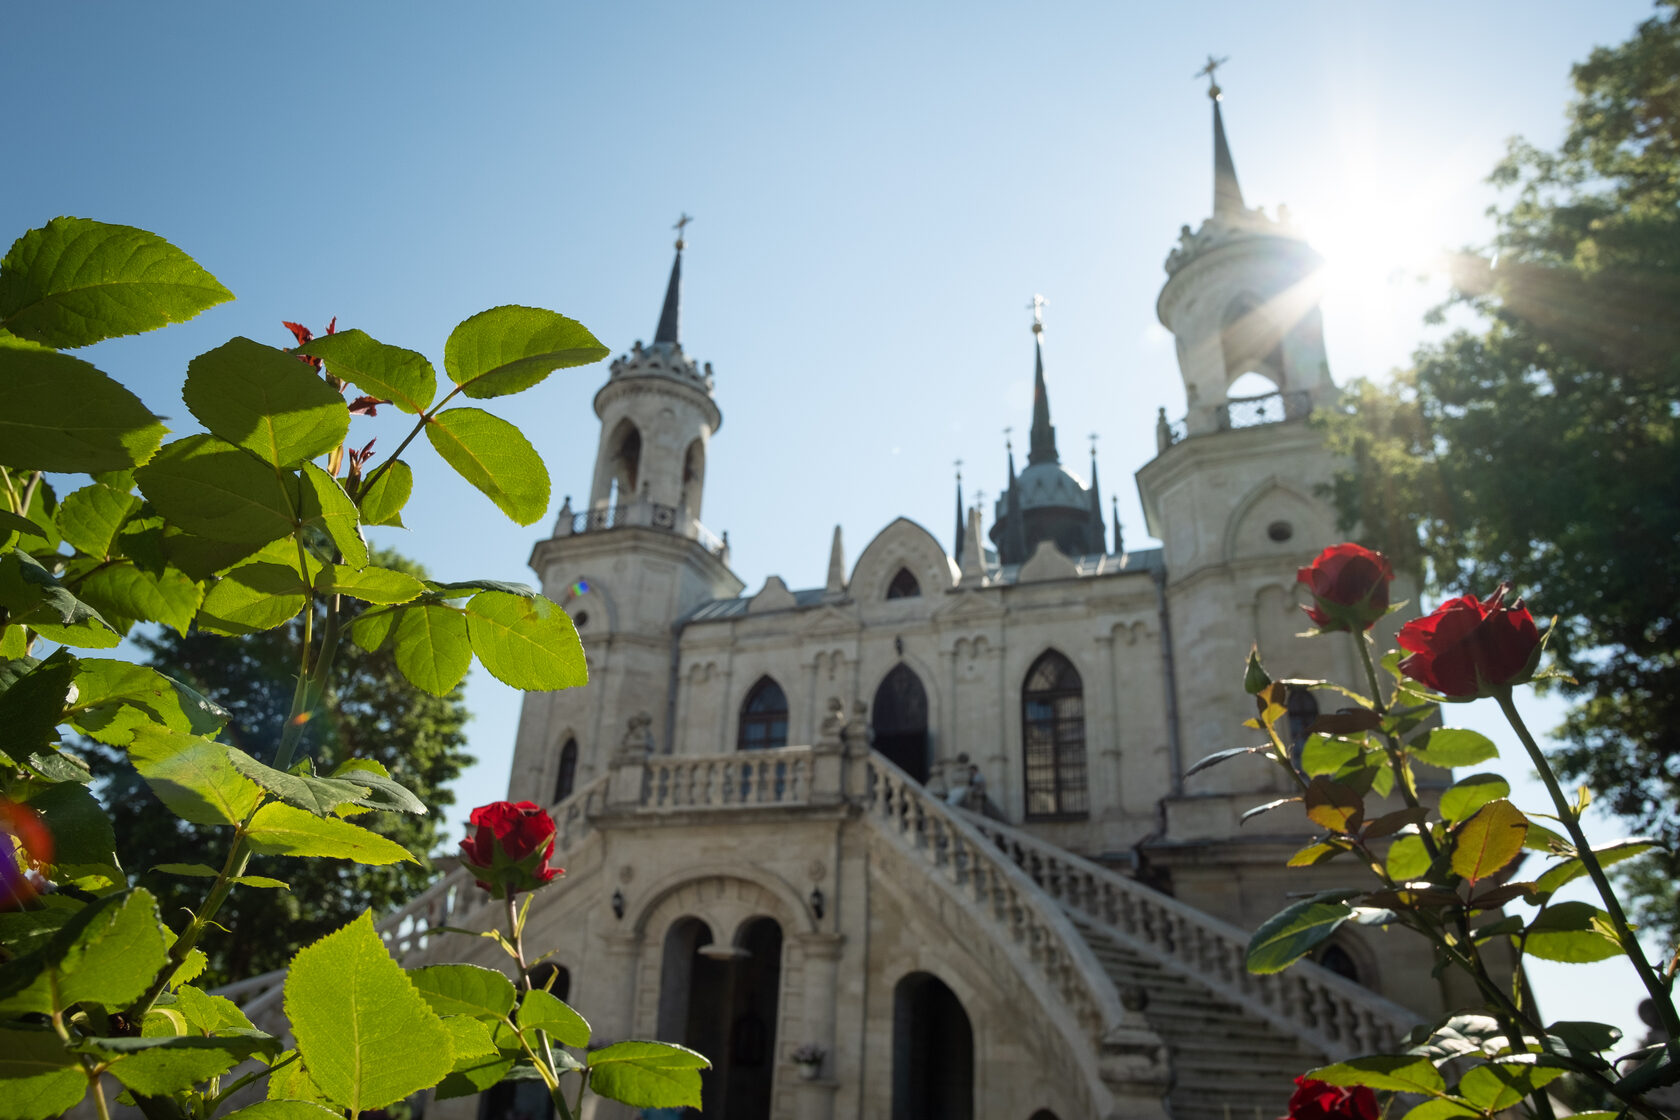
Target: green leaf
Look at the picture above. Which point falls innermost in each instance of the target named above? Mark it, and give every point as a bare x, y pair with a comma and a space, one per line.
1333, 806
253, 597
190, 870
546, 1012
432, 647
1323, 755
371, 584
115, 697
1469, 794
478, 1063
1489, 840
1255, 678
260, 881
1573, 868
383, 499
1292, 933
384, 792
159, 1066
527, 643
62, 414
404, 378
106, 954
372, 629
1441, 1108
123, 590
90, 517
32, 701
495, 457
292, 1082
283, 1110
266, 401
212, 488
1494, 1088
647, 1074
319, 796
1572, 932
509, 349
282, 830
1451, 747
81, 832
327, 505
75, 281
193, 776
40, 1077
461, 588
1402, 1073
1217, 757
465, 989
365, 1031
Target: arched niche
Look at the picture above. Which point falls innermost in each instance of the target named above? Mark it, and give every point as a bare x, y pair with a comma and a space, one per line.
621, 465
933, 1052
693, 478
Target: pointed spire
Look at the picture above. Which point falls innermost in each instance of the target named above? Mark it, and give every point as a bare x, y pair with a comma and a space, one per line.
1119, 545
1096, 528
1042, 446
960, 526
835, 588
974, 555
1012, 548
671, 313
1227, 194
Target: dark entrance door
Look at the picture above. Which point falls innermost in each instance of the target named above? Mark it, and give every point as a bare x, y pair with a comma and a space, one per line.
724, 997
900, 719
933, 1052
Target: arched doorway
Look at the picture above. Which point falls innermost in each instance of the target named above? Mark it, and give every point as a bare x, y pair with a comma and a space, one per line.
933, 1052
900, 718
721, 1000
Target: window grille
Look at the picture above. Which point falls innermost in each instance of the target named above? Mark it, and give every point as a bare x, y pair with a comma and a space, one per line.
1053, 739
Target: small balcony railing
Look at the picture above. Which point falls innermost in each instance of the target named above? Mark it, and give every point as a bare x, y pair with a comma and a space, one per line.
650, 515
1237, 412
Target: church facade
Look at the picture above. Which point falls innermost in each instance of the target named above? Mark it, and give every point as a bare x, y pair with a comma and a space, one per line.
934, 818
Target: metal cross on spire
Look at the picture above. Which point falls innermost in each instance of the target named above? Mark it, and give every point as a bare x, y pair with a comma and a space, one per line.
1208, 72
1037, 308
681, 222
1093, 437
1007, 445
958, 464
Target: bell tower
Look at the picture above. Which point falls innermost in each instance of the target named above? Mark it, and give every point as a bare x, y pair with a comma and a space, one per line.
629, 564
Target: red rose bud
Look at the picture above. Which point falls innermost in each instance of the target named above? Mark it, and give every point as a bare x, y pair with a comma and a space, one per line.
1349, 586
1314, 1100
366, 406
1468, 649
509, 848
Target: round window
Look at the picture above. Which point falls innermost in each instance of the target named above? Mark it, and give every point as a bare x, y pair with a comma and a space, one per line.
581, 620
1280, 531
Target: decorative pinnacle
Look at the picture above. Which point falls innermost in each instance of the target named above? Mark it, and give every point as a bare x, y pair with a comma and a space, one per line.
1037, 308
1007, 445
1213, 64
681, 222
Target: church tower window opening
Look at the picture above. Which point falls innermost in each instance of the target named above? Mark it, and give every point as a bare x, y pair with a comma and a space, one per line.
694, 477
904, 586
624, 464
764, 717
567, 777
1053, 739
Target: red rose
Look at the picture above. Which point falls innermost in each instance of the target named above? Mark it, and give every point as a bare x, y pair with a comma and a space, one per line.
1349, 586
509, 848
1314, 1100
1468, 649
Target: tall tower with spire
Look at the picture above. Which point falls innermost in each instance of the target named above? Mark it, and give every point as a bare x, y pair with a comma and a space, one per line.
632, 561
1242, 297
1045, 502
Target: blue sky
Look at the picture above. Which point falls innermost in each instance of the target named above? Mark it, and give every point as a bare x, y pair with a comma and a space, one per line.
878, 189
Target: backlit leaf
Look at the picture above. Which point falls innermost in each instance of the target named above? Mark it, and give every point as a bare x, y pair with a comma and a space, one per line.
371, 584
122, 590
319, 796
284, 830
383, 499
1489, 840
214, 489
89, 518
404, 378
495, 457
1404, 1073
253, 597
266, 401
1572, 932
41, 1077
1333, 806
193, 776
508, 349
327, 505
1290, 934
529, 643
367, 1035
432, 646
75, 281
1469, 794
1450, 747
464, 989
62, 414
546, 1012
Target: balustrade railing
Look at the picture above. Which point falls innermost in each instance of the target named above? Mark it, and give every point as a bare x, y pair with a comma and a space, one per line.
1267, 408
649, 515
950, 846
729, 781
1327, 1011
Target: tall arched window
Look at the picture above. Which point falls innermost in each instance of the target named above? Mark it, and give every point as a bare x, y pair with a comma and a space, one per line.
1053, 739
904, 586
568, 770
764, 717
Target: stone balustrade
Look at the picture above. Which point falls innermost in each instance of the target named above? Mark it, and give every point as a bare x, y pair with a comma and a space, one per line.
1325, 1010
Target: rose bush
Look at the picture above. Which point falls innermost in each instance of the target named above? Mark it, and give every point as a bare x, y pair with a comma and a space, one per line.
1349, 586
510, 847
1314, 1100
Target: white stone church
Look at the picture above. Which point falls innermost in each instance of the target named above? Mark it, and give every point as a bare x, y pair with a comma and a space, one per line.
932, 817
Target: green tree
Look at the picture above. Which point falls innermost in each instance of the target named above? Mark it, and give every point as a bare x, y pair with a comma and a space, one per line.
1540, 445
371, 712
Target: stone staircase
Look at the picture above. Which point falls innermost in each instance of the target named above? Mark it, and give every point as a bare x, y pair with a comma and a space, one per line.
1227, 1064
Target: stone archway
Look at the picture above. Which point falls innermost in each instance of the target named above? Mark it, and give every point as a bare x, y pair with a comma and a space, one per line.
933, 1052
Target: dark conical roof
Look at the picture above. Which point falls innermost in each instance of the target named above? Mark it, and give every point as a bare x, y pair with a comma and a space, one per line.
1042, 448
672, 311
1227, 193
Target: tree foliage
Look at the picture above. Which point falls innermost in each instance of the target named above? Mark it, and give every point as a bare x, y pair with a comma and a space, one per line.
370, 711
1540, 445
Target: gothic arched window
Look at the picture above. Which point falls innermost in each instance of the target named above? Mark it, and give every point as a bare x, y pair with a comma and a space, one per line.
1302, 707
904, 586
764, 717
1053, 738
568, 770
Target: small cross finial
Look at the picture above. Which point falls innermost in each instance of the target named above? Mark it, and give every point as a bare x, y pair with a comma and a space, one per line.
980, 499
958, 464
1093, 438
1007, 445
1037, 308
681, 222
1208, 72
